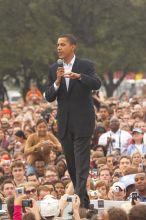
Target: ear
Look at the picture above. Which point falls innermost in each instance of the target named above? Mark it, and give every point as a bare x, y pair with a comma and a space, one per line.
74, 47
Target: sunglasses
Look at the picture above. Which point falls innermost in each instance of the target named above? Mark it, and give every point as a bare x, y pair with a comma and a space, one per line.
30, 191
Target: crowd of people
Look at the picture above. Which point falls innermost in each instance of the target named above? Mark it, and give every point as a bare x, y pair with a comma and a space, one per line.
33, 170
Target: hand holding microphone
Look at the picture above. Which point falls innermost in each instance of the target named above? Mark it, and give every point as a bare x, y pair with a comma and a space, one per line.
60, 71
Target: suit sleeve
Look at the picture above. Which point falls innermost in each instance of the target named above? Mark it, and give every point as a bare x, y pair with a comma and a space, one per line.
89, 78
50, 93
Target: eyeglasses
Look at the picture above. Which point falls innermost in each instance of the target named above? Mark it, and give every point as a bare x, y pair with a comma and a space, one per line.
53, 175
30, 191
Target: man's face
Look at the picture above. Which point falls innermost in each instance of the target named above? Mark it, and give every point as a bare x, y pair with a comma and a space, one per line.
114, 124
33, 179
18, 173
105, 175
140, 181
6, 167
109, 162
104, 113
9, 190
64, 48
40, 168
50, 176
124, 163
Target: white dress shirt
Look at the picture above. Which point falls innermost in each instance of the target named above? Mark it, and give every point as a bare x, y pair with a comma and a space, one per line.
67, 69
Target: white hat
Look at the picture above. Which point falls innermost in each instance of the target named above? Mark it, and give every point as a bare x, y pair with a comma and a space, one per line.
48, 206
119, 184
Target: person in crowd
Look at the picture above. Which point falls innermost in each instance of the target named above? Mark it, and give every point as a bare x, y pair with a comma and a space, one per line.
61, 167
40, 167
52, 156
140, 185
117, 192
33, 96
51, 175
59, 188
137, 145
115, 213
4, 142
76, 117
105, 175
43, 191
20, 141
18, 172
102, 188
124, 162
33, 178
138, 212
103, 114
109, 161
8, 188
115, 138
6, 165
30, 190
136, 159
39, 144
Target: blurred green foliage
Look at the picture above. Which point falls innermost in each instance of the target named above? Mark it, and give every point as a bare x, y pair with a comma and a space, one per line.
110, 32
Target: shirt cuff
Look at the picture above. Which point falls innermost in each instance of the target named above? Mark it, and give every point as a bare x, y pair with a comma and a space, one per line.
56, 87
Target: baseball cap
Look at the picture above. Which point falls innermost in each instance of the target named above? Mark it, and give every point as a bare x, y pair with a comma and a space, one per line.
48, 206
120, 185
138, 130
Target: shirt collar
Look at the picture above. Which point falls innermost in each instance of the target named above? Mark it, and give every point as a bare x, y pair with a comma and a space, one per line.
71, 62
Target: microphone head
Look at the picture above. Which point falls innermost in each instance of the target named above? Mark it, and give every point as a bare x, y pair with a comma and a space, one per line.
60, 62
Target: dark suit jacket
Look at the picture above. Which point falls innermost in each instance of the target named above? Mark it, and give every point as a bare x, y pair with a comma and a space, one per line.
75, 106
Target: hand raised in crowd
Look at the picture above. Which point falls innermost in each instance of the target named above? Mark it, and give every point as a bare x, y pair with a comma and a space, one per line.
34, 209
18, 199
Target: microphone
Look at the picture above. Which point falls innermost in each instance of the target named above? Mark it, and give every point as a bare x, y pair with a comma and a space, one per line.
60, 62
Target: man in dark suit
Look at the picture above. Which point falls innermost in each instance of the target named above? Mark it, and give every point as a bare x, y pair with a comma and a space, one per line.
72, 85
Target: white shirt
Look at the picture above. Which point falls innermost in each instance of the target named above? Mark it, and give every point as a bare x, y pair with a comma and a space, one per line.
67, 69
121, 138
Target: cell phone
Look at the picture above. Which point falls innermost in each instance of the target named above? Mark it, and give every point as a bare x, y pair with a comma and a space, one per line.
19, 191
134, 197
27, 203
100, 203
70, 198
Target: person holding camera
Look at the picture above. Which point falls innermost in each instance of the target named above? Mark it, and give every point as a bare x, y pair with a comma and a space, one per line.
39, 144
22, 204
117, 192
115, 138
140, 185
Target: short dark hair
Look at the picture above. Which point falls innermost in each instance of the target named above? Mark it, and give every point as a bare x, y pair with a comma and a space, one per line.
29, 216
71, 38
41, 120
125, 156
7, 181
138, 212
117, 213
17, 163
